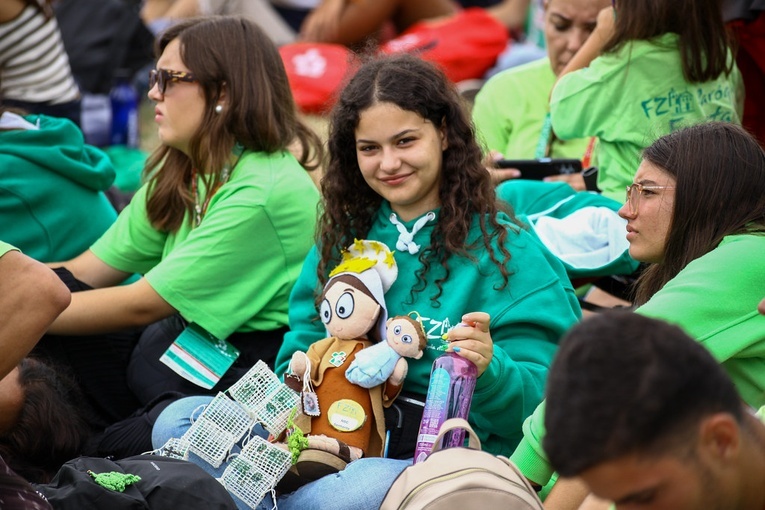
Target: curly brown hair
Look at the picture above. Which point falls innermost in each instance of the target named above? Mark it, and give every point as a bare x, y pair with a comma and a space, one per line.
465, 188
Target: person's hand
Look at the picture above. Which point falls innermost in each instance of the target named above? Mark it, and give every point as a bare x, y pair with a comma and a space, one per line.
761, 307
576, 180
604, 27
298, 363
321, 25
399, 372
472, 340
499, 175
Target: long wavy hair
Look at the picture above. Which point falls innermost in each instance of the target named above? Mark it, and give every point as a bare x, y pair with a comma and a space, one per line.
50, 428
719, 170
704, 41
465, 189
234, 53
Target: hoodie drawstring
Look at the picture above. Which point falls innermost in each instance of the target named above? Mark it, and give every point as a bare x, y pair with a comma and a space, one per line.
405, 238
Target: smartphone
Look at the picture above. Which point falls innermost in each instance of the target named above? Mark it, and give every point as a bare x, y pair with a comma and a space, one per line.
538, 169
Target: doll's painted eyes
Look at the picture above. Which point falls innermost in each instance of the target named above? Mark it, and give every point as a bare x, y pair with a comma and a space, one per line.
396, 330
344, 306
325, 311
407, 339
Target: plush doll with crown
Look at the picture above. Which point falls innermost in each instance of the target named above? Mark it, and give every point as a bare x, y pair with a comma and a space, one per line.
346, 419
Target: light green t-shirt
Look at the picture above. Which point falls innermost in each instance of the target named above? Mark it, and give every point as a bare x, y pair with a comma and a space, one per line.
5, 248
714, 299
233, 272
509, 112
630, 98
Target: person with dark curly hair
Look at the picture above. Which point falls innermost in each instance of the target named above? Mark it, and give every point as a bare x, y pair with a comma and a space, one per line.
405, 170
43, 424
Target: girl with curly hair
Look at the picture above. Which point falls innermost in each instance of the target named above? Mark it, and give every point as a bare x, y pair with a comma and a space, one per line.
405, 170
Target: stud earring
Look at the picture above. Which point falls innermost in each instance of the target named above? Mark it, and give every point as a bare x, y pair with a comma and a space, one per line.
219, 109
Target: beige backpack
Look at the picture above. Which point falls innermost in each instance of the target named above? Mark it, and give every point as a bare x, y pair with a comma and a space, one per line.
461, 478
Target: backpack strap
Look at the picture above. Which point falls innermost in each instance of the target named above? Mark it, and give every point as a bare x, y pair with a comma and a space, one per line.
474, 442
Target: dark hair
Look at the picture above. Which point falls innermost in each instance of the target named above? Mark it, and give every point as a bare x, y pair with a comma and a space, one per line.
234, 53
465, 189
351, 280
703, 42
719, 170
623, 383
50, 429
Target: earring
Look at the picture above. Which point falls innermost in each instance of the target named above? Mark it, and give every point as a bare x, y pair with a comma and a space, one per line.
219, 109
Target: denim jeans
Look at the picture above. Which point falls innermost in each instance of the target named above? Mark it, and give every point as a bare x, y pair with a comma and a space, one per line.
361, 485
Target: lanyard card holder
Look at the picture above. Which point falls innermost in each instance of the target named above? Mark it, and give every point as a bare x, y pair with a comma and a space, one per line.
199, 357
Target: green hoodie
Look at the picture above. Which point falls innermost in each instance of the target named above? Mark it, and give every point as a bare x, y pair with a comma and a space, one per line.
528, 317
52, 205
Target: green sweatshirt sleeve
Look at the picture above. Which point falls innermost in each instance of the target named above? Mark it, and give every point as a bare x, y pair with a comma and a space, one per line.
529, 455
525, 336
304, 330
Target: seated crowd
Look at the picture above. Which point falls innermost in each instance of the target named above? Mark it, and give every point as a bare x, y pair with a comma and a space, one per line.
125, 323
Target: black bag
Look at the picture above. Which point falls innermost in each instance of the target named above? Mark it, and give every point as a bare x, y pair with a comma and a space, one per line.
165, 484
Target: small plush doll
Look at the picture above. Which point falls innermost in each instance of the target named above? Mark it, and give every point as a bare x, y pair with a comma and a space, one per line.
385, 361
347, 421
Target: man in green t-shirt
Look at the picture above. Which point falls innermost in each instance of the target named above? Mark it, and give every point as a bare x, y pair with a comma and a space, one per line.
645, 416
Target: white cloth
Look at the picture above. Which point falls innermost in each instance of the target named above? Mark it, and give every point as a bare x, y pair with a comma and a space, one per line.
588, 238
9, 120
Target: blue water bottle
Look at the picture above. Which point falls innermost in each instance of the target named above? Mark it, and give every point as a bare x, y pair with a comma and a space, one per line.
124, 99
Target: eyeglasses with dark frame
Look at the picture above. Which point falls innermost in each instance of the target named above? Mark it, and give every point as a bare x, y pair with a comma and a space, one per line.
161, 77
633, 199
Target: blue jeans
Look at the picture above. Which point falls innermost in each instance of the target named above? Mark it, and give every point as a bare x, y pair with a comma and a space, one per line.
361, 485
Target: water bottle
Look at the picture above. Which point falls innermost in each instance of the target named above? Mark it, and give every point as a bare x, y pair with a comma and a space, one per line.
124, 99
452, 381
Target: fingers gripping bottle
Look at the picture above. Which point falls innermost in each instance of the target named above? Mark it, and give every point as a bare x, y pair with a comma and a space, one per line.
452, 381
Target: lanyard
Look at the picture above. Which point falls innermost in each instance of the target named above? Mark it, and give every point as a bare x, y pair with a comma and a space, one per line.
225, 173
545, 138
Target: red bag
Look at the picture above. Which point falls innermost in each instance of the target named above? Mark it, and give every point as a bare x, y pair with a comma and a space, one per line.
317, 73
465, 45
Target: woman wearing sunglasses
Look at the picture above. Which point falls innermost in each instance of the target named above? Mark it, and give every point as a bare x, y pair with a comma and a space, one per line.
696, 213
218, 232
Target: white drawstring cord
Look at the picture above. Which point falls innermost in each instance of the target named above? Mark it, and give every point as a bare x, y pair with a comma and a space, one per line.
405, 238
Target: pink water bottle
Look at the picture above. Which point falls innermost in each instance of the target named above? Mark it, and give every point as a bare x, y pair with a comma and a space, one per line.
452, 381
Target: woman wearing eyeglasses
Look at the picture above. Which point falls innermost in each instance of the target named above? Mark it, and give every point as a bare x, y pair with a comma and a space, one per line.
218, 232
696, 213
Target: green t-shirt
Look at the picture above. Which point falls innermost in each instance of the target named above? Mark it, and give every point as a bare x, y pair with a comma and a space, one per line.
233, 272
630, 98
509, 112
714, 299
528, 317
